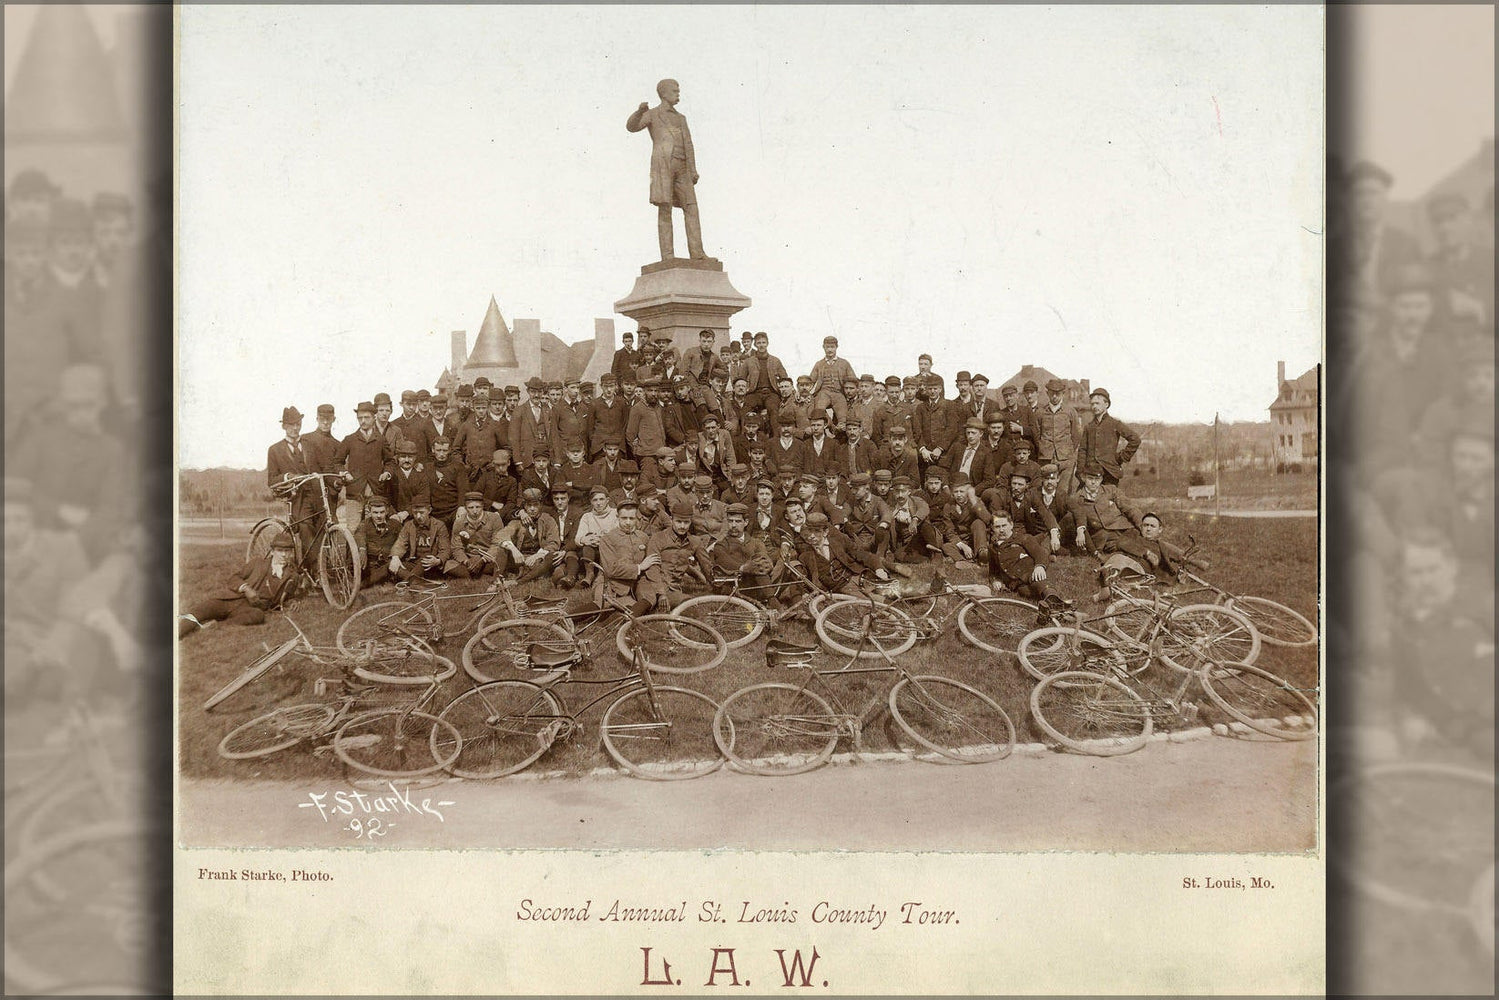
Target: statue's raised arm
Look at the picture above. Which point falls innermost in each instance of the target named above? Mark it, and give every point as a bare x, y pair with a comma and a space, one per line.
673, 167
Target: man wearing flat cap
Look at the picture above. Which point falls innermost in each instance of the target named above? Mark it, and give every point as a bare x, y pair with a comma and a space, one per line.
709, 514
529, 540
1058, 433
423, 547
830, 562
736, 553
409, 480
374, 539
1462, 269
1371, 250
645, 429
828, 375
679, 569
626, 358
893, 412
1108, 442
474, 550
366, 462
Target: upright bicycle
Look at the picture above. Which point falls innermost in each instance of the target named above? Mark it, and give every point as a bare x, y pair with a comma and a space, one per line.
333, 559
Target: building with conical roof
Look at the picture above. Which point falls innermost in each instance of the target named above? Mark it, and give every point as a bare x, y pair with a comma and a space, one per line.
507, 357
62, 111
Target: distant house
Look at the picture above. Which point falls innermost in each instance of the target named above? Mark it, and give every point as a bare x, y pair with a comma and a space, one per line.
1076, 394
1293, 417
507, 358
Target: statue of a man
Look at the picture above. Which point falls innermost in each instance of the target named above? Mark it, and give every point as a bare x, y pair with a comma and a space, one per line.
673, 167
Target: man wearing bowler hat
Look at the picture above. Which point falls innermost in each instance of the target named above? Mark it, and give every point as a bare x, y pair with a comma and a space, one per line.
287, 459
259, 586
1108, 442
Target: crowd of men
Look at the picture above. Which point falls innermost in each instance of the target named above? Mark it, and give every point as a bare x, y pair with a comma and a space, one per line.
681, 473
78, 284
1411, 341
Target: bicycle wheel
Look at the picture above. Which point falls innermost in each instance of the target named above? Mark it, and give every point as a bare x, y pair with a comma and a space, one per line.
1262, 701
775, 729
672, 645
387, 625
1091, 713
662, 733
276, 730
503, 650
397, 743
505, 727
738, 620
409, 666
856, 625
338, 566
997, 624
1421, 833
1045, 652
261, 536
1277, 624
957, 721
102, 930
1197, 633
253, 671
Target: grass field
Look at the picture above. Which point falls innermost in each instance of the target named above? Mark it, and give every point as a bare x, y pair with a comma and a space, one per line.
1275, 558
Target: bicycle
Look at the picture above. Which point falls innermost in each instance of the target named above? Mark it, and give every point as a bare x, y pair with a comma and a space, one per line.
404, 659
993, 624
385, 742
743, 619
423, 617
337, 552
1276, 623
653, 731
1422, 840
1139, 614
1086, 703
778, 728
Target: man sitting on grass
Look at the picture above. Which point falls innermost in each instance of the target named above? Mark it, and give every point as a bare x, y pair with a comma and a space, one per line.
1016, 561
375, 538
259, 586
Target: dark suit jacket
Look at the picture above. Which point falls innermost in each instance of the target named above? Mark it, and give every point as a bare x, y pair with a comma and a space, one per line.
1101, 444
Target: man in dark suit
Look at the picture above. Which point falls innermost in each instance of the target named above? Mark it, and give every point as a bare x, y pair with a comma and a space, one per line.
530, 428
259, 586
856, 453
1108, 442
367, 462
286, 459
626, 358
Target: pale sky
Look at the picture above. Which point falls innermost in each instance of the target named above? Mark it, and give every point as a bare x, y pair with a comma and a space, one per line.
1425, 99
1127, 195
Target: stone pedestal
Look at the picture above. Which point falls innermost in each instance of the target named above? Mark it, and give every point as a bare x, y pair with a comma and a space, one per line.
682, 296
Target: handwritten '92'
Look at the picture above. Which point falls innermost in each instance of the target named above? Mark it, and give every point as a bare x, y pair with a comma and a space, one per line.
368, 829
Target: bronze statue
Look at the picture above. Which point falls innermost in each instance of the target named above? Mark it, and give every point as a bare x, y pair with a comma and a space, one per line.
673, 167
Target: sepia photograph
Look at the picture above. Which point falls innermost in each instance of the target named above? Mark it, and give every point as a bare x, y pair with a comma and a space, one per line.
751, 430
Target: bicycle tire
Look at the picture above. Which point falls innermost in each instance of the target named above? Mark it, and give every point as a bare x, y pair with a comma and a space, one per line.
28, 977
775, 729
672, 645
505, 725
1128, 620
1420, 832
276, 730
397, 743
842, 625
1277, 624
338, 566
411, 667
662, 733
486, 658
738, 620
997, 624
1263, 701
261, 536
954, 719
1195, 634
388, 623
1093, 714
1046, 652
255, 670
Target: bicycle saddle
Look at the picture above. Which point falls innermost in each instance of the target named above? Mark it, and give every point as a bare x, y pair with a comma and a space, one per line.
781, 653
549, 656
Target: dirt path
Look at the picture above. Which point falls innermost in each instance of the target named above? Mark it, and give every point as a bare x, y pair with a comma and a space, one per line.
1212, 795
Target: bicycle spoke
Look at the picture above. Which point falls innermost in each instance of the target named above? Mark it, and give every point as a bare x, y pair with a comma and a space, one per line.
504, 726
776, 729
663, 733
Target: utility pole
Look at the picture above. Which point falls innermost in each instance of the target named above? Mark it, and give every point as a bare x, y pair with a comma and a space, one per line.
1217, 479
